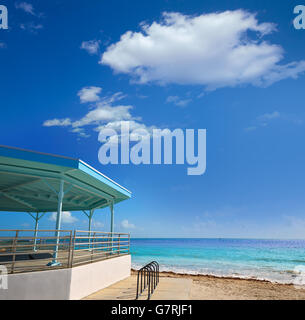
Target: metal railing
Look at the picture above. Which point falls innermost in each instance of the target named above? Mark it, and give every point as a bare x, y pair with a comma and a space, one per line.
148, 277
21, 251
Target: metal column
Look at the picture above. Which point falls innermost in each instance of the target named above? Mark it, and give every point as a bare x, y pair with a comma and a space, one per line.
89, 215
36, 230
36, 218
112, 217
111, 225
58, 223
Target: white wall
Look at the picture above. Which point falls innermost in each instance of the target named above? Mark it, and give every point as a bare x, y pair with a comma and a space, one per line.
53, 284
92, 277
63, 284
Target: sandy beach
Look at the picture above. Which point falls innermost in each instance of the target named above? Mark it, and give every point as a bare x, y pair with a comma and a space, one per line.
214, 288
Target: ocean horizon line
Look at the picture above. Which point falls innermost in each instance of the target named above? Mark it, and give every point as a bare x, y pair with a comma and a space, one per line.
220, 238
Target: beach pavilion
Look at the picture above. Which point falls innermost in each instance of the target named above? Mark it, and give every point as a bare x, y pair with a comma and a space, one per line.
37, 183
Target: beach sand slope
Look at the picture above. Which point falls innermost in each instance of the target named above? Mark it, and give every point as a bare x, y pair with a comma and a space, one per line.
213, 288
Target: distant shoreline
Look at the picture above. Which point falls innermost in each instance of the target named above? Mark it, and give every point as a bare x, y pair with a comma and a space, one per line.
172, 274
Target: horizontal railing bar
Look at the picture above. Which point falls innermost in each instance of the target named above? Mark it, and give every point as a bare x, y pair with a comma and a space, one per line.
31, 230
26, 252
44, 262
38, 249
97, 253
86, 231
32, 237
101, 248
74, 248
62, 237
37, 245
99, 237
100, 252
99, 242
96, 259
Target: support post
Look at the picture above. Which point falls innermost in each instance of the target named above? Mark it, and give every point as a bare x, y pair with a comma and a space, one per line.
111, 226
89, 216
89, 227
36, 218
58, 223
36, 230
112, 217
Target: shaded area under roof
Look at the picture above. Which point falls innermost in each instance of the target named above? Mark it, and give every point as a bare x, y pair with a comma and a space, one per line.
30, 182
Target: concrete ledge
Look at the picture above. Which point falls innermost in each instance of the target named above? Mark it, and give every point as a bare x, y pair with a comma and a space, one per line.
66, 284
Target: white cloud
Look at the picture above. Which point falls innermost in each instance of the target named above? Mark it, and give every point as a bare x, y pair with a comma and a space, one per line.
92, 46
116, 125
127, 225
89, 94
81, 132
65, 218
104, 114
57, 123
214, 50
136, 132
26, 7
177, 101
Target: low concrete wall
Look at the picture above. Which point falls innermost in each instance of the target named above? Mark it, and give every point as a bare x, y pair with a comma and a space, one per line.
64, 284
92, 277
53, 284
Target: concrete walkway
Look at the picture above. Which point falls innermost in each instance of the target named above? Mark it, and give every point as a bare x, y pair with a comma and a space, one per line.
173, 289
167, 289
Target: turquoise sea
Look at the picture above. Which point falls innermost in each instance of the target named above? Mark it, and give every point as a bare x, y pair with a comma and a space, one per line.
273, 260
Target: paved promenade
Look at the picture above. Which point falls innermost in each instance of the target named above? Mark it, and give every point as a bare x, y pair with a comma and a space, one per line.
167, 289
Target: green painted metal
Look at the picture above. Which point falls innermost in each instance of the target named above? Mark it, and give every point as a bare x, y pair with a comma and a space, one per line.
89, 216
36, 217
39, 182
30, 180
61, 195
112, 217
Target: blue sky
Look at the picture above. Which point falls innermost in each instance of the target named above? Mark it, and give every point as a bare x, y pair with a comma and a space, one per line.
238, 74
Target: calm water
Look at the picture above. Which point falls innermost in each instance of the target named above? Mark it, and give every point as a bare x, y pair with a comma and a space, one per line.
272, 260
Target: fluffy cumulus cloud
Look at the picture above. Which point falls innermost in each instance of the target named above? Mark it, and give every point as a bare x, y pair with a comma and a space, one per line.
214, 50
66, 217
89, 94
104, 113
92, 46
